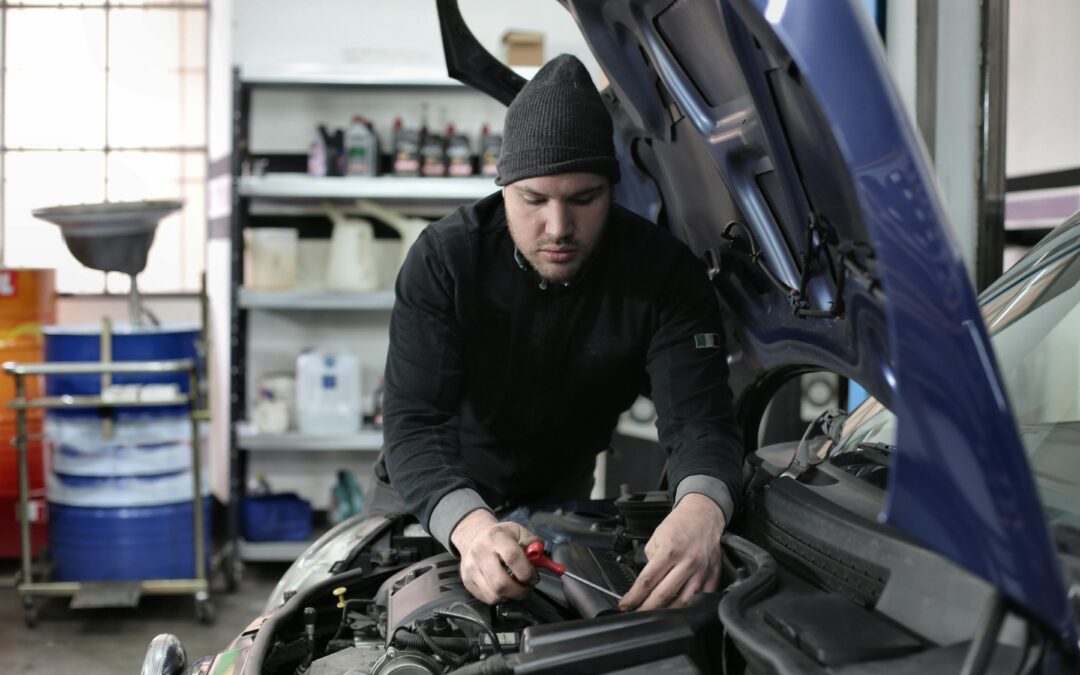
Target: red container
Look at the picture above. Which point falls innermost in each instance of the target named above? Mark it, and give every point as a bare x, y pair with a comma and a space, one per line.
27, 302
9, 458
9, 524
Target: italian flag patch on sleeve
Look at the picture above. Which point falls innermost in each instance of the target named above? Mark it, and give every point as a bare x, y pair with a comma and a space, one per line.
707, 341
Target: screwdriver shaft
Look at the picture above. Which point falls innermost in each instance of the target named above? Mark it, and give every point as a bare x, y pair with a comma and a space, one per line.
592, 585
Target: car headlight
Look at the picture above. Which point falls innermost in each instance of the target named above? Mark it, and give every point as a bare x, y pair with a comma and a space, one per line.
315, 563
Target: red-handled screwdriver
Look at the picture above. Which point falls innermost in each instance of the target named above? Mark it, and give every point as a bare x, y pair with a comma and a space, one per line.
535, 553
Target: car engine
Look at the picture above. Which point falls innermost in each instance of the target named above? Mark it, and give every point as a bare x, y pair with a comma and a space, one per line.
419, 618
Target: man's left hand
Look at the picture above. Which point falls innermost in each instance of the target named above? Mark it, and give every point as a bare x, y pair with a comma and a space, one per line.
683, 554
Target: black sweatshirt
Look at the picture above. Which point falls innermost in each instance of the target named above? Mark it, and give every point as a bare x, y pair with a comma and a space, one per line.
503, 389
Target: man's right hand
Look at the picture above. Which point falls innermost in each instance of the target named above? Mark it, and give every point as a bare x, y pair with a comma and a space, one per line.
488, 550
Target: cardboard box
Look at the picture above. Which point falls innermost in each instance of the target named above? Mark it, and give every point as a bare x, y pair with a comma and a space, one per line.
524, 49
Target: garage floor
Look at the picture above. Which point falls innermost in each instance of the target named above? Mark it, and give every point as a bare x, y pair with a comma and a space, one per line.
108, 641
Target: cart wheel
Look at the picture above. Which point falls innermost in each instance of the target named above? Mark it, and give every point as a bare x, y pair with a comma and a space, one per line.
30, 613
204, 610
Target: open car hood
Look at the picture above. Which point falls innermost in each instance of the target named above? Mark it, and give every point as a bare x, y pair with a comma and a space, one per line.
768, 136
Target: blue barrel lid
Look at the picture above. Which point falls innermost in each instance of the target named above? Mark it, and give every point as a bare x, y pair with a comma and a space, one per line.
120, 329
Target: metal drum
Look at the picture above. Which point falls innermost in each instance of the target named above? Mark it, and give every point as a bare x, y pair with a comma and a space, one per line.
129, 343
120, 491
124, 544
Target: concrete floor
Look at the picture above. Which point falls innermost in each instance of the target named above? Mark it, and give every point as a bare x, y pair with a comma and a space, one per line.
108, 641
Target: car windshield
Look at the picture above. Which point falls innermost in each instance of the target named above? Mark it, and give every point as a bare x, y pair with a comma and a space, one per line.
1033, 317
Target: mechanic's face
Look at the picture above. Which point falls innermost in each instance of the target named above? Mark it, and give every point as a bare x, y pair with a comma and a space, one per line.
556, 221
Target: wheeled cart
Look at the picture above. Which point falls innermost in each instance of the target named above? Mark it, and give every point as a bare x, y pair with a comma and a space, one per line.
32, 582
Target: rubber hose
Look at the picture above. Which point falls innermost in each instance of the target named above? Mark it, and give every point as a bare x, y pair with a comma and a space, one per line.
498, 664
414, 641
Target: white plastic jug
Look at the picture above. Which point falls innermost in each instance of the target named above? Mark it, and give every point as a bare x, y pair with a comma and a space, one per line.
327, 392
408, 228
352, 264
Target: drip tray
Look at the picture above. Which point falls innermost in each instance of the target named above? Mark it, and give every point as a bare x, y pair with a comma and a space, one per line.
93, 595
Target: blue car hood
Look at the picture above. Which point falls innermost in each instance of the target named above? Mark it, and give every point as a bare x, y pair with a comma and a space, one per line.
780, 152
768, 136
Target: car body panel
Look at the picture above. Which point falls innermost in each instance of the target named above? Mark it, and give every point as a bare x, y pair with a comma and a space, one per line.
960, 483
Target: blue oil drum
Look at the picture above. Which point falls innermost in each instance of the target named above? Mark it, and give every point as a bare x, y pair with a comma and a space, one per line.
118, 510
125, 544
129, 343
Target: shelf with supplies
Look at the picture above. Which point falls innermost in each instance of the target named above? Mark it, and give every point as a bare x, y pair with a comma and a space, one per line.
383, 77
309, 233
315, 299
365, 439
399, 188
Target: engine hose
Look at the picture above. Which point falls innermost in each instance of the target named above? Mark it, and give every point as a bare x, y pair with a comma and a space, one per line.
304, 666
404, 638
498, 664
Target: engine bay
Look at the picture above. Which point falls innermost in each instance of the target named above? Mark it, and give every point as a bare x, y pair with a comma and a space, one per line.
398, 605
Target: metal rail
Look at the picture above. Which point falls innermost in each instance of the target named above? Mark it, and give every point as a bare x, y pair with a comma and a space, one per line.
95, 367
27, 587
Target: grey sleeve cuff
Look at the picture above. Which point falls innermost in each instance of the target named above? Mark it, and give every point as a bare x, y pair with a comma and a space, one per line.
450, 510
713, 488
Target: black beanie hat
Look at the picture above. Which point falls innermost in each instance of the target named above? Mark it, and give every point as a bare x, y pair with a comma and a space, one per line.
557, 124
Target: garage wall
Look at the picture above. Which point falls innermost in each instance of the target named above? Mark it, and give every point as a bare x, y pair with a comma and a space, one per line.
342, 33
1044, 99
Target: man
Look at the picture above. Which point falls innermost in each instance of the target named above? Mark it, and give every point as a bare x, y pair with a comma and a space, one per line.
525, 324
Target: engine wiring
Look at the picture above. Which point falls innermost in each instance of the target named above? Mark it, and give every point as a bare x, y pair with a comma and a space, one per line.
476, 622
345, 614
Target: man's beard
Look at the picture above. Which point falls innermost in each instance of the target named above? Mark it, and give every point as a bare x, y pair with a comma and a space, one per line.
551, 271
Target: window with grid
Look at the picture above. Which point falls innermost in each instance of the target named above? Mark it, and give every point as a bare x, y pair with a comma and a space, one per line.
104, 101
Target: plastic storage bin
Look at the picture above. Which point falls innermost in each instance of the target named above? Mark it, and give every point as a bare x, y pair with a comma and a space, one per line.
279, 517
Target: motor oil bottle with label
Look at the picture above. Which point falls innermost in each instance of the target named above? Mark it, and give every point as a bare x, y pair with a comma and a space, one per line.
434, 156
490, 147
362, 148
406, 151
458, 154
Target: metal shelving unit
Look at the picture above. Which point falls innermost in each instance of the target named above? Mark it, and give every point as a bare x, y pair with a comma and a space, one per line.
278, 186
297, 193
370, 440
303, 299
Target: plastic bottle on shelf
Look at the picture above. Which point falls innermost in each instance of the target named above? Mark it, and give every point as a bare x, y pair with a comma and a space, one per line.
458, 154
490, 147
258, 486
423, 125
434, 154
361, 148
406, 151
328, 392
396, 132
317, 153
336, 146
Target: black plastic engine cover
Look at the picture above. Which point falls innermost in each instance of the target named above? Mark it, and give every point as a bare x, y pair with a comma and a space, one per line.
617, 641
